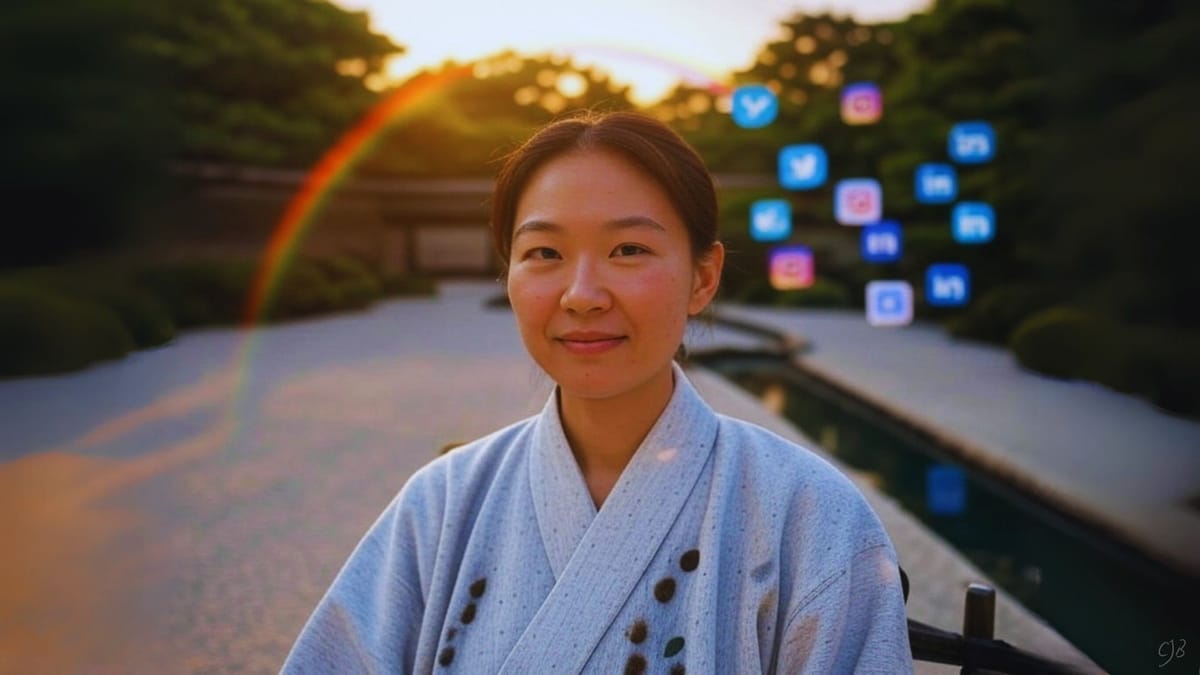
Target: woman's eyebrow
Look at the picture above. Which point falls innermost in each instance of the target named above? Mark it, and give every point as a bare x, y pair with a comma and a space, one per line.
625, 223
629, 222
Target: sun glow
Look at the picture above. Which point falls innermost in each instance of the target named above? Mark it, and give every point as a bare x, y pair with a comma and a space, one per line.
633, 41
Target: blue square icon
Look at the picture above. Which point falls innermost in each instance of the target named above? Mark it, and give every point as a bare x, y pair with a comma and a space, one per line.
754, 106
770, 220
947, 285
889, 303
972, 143
882, 242
803, 167
936, 183
945, 490
858, 201
973, 222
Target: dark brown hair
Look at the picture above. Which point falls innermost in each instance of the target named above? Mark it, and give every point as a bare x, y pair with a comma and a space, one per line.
643, 140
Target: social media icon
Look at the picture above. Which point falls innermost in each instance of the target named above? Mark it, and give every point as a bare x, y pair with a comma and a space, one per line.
791, 268
770, 220
945, 490
936, 183
754, 106
862, 103
889, 303
972, 143
881, 242
973, 222
858, 201
947, 285
803, 167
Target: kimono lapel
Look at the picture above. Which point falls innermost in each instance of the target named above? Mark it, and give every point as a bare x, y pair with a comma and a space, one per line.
599, 558
561, 501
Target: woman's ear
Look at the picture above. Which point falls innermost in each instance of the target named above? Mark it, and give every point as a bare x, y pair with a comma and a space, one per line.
706, 278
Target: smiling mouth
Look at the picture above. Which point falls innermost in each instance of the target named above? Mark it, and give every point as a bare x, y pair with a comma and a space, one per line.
590, 344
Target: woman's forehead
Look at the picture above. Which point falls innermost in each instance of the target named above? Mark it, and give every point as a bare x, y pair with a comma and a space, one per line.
597, 186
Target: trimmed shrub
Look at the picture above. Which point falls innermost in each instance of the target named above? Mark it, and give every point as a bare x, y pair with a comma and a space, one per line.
200, 293
146, 319
1061, 341
1160, 364
1165, 366
409, 284
356, 285
823, 293
302, 290
148, 322
44, 332
993, 317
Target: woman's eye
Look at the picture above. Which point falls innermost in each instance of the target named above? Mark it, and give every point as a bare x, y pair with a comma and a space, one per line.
542, 253
630, 249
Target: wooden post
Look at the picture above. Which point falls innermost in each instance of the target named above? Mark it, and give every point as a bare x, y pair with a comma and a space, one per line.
979, 616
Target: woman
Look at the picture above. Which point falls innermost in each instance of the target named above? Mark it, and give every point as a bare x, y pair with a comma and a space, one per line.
627, 527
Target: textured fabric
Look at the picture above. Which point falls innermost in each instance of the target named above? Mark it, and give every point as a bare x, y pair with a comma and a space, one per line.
723, 548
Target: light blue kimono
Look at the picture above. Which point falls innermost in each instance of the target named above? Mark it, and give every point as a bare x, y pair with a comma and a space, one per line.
723, 548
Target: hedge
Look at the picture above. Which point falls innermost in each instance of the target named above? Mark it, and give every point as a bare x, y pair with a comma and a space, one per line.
1161, 364
43, 332
60, 319
823, 293
993, 317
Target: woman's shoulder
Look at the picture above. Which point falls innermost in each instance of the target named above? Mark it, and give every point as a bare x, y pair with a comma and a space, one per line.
461, 465
765, 450
784, 470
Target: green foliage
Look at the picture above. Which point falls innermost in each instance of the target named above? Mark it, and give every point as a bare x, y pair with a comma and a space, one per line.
100, 96
44, 332
109, 286
200, 293
1165, 367
464, 128
824, 293
408, 284
1118, 217
1063, 341
356, 284
82, 126
56, 319
1160, 364
263, 81
994, 315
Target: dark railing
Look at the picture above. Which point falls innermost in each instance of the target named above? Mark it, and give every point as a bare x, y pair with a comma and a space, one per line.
976, 649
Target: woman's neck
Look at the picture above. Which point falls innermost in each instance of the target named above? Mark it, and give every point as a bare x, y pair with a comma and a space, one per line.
605, 433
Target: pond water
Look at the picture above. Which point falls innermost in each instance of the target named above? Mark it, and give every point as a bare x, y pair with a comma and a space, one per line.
1118, 607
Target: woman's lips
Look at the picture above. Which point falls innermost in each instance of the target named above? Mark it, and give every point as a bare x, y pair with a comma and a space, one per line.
590, 344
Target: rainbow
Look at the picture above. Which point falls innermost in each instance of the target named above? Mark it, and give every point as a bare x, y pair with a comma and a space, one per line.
328, 172
340, 159
229, 385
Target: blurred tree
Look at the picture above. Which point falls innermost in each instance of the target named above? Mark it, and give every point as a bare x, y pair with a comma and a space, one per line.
962, 60
466, 126
82, 126
264, 81
98, 96
1116, 171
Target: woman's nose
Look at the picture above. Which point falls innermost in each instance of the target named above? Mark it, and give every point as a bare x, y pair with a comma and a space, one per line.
586, 291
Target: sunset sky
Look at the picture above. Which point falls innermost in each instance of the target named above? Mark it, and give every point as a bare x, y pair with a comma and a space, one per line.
648, 44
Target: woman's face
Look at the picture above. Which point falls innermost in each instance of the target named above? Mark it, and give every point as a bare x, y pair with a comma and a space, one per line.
601, 275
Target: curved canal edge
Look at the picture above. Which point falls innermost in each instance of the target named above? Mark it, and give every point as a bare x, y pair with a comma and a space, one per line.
1109, 599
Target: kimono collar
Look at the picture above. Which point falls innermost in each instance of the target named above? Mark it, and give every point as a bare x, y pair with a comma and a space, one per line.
599, 557
658, 478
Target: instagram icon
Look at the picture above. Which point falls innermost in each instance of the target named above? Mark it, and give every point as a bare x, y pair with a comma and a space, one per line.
862, 103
